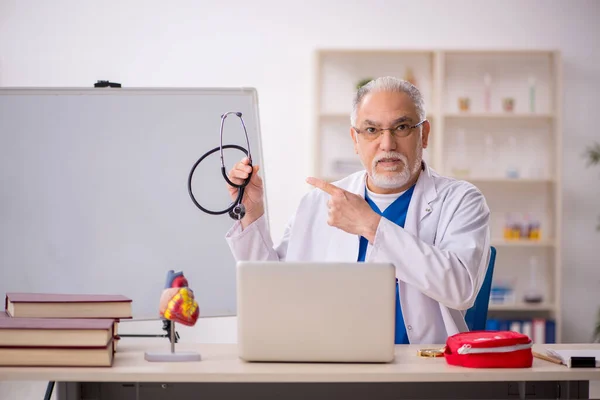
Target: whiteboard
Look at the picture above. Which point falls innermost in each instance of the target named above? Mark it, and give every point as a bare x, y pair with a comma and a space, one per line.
94, 196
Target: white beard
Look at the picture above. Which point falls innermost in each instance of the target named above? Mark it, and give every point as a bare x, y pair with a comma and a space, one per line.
397, 180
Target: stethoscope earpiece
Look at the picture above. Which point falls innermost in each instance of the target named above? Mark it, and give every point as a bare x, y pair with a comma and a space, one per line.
236, 211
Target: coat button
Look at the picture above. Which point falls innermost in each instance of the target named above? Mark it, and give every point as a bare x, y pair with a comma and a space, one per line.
428, 209
409, 327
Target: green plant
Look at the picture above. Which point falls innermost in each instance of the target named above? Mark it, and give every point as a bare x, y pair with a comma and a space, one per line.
592, 154
597, 329
363, 82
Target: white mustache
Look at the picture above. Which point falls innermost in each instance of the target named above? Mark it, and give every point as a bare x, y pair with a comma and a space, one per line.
392, 155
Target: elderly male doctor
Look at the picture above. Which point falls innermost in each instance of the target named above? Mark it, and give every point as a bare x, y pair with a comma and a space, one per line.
434, 229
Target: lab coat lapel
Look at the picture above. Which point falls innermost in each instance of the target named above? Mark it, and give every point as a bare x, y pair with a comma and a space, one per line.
421, 204
344, 246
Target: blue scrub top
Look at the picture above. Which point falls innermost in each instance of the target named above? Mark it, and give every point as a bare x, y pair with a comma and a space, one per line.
396, 212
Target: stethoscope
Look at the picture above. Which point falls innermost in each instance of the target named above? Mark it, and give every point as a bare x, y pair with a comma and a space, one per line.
236, 210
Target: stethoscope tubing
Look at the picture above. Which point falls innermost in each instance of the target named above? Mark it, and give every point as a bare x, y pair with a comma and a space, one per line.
241, 187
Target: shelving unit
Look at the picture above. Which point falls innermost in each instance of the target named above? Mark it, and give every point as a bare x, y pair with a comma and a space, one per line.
513, 157
523, 243
521, 307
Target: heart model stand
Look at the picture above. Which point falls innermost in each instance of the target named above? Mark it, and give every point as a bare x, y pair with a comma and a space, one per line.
172, 356
176, 291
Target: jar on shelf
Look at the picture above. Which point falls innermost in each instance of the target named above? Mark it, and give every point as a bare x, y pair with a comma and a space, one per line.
464, 104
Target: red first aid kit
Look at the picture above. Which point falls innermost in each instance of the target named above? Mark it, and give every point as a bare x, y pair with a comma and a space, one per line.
489, 349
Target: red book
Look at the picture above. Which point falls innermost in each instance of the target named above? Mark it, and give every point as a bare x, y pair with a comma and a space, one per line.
55, 305
55, 332
101, 356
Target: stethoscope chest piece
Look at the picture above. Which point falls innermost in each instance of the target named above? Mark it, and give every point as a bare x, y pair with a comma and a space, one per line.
238, 212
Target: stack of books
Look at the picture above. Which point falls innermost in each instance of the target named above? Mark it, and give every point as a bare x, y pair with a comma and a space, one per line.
60, 330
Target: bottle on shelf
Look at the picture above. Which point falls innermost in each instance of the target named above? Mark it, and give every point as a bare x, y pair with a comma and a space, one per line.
525, 227
517, 227
512, 169
489, 165
535, 231
513, 227
464, 103
521, 227
487, 92
508, 227
533, 294
531, 81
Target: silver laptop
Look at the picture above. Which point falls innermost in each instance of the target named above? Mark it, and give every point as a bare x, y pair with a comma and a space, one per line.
316, 312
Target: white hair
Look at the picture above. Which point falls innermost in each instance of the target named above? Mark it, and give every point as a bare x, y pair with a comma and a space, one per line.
389, 84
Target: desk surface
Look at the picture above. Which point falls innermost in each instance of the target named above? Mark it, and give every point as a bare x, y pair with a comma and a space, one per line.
220, 363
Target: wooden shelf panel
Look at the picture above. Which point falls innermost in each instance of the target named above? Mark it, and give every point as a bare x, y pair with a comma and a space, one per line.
523, 243
375, 51
522, 307
468, 115
506, 180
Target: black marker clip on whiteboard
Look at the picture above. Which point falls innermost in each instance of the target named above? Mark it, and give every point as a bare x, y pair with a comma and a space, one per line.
107, 84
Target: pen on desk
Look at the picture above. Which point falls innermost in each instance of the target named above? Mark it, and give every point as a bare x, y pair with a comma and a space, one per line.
546, 358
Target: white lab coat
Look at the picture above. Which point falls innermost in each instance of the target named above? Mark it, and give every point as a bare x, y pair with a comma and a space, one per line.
441, 254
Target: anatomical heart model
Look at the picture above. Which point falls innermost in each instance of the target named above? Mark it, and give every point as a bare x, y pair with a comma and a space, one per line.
177, 301
177, 304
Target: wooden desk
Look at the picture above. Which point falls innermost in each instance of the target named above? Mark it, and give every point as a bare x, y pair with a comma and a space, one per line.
223, 374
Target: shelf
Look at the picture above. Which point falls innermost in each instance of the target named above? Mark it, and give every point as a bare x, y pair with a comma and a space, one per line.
338, 115
469, 115
521, 307
505, 180
375, 51
499, 51
522, 243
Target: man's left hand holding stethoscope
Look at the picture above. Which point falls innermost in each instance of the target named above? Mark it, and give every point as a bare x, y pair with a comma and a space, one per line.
253, 199
248, 205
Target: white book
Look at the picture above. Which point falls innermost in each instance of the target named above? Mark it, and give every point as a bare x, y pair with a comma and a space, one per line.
539, 331
568, 356
527, 329
515, 326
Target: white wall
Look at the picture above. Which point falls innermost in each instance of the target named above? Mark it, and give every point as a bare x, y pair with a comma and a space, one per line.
269, 45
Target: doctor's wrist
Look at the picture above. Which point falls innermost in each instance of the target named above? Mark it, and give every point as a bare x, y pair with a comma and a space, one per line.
370, 228
251, 217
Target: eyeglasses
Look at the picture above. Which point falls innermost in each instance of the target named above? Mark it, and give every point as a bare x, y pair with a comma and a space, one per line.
400, 131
